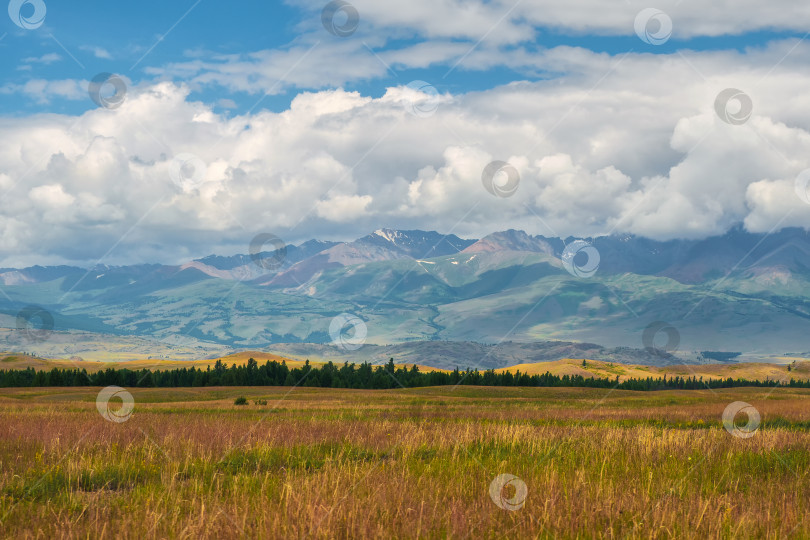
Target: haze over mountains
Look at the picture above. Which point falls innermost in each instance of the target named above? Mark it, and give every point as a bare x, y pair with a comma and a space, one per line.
737, 292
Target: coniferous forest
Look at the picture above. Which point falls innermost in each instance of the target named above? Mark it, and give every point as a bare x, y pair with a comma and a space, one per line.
362, 376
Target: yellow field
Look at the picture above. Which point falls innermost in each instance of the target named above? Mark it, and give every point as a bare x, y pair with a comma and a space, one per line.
593, 368
416, 463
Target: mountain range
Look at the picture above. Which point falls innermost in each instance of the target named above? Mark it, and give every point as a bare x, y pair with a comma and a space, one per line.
739, 292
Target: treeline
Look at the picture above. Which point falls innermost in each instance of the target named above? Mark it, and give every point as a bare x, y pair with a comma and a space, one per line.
720, 356
360, 376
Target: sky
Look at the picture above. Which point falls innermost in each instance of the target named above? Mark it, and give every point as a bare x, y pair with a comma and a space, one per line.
165, 131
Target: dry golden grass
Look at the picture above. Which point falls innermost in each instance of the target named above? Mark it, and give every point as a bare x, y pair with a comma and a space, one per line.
594, 368
411, 463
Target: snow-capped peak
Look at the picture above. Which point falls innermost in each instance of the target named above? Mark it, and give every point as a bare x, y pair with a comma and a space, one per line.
388, 234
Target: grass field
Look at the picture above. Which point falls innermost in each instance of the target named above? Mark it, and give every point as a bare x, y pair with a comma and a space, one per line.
752, 371
415, 463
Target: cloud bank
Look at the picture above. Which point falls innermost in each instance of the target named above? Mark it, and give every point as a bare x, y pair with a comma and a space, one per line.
618, 144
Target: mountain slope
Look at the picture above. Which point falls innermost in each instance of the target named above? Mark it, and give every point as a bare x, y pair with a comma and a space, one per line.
737, 292
381, 245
